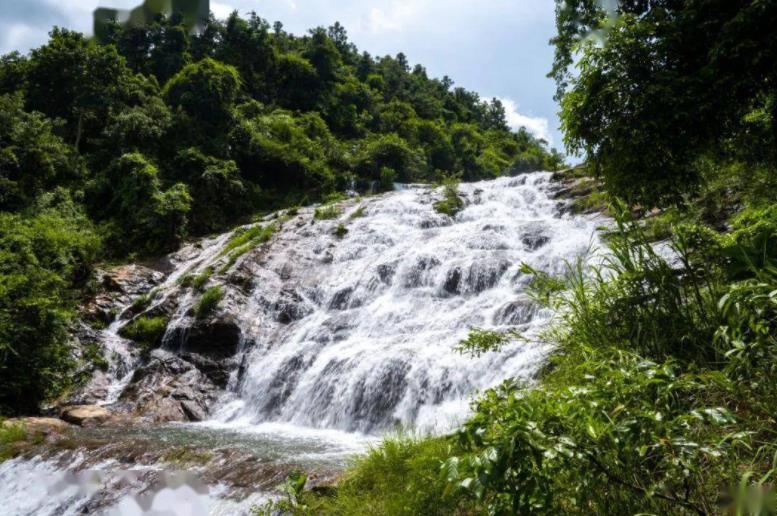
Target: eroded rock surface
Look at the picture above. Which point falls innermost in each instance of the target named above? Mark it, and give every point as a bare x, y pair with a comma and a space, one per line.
85, 415
169, 388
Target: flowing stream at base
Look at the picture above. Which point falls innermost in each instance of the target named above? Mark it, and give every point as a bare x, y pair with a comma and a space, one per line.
348, 336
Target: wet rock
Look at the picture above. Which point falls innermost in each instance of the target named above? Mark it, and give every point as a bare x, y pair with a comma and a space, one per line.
119, 286
85, 415
166, 308
374, 401
483, 275
534, 241
217, 337
517, 312
290, 307
217, 371
340, 299
414, 278
131, 279
168, 388
386, 272
452, 281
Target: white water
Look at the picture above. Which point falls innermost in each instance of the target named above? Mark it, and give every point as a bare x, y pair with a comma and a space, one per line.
45, 488
387, 303
375, 316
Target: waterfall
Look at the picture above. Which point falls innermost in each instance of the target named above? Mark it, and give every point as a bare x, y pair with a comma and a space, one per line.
347, 328
357, 332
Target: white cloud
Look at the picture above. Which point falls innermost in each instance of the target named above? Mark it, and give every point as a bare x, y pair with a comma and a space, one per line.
19, 35
393, 18
538, 126
221, 11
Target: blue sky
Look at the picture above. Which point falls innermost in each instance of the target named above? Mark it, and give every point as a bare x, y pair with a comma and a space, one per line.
498, 48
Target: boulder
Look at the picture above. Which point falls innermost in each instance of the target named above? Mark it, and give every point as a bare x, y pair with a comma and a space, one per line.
169, 388
85, 415
120, 286
131, 279
217, 337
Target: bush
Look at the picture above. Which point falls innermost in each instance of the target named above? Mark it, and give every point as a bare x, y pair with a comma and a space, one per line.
608, 432
451, 203
341, 231
199, 281
208, 302
244, 240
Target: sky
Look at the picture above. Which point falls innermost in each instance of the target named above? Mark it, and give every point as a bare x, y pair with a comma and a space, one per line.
498, 48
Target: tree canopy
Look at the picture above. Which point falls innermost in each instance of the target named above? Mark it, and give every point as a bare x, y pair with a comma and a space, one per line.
650, 88
125, 147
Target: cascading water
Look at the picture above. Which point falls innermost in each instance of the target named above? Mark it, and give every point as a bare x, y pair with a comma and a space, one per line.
347, 327
358, 333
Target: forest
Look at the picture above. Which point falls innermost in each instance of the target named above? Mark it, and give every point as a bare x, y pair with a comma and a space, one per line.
121, 151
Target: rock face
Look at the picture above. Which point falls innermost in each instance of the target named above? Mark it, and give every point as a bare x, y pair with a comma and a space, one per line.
169, 388
85, 415
217, 337
120, 286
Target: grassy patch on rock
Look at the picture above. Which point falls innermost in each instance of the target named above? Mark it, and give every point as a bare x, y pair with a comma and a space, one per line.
10, 434
244, 240
146, 331
208, 302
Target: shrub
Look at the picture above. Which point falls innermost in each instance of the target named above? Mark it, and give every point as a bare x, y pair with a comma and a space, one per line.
483, 341
142, 302
208, 302
340, 231
451, 203
607, 433
358, 213
199, 280
244, 240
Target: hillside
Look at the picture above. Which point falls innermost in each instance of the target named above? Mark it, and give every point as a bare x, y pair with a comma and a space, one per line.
126, 149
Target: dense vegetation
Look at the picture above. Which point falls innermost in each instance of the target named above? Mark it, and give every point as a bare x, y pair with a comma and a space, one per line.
660, 398
111, 151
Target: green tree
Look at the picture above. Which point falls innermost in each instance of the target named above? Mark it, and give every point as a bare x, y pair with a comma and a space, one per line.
78, 81
661, 84
247, 45
391, 152
42, 257
32, 158
206, 91
218, 192
142, 216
